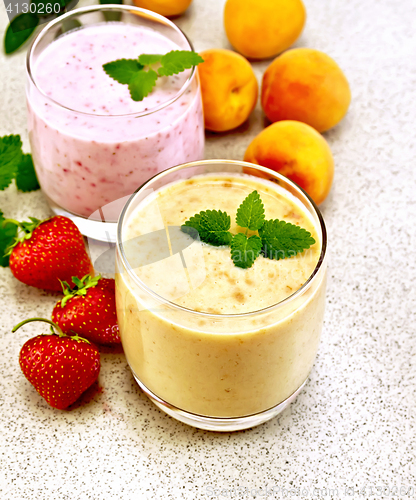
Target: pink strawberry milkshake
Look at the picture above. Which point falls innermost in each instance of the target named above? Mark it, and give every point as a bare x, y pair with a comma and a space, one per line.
91, 143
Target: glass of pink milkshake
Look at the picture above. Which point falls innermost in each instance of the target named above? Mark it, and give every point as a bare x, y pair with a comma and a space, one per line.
92, 145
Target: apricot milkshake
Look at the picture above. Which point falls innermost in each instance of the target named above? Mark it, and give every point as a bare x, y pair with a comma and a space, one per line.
204, 338
91, 143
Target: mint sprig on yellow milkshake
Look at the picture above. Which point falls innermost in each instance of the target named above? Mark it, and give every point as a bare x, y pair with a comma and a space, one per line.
275, 239
141, 74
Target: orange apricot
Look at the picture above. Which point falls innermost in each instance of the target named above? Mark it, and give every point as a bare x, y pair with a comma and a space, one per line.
298, 152
164, 7
229, 89
259, 29
305, 85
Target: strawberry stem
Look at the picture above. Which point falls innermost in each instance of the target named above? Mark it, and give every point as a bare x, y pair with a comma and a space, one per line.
53, 325
11, 221
30, 320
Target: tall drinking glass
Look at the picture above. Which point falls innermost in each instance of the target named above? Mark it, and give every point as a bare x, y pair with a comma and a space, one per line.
92, 144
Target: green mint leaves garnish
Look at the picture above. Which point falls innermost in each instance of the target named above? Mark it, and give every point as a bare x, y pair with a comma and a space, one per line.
123, 70
15, 165
10, 156
282, 240
142, 84
26, 179
133, 72
177, 61
250, 213
149, 59
212, 226
244, 251
19, 30
276, 239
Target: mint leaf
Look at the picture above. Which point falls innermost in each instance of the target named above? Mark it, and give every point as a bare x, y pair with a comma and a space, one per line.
130, 71
142, 84
148, 59
212, 227
10, 149
244, 251
177, 61
250, 213
19, 30
10, 156
26, 179
123, 70
7, 235
193, 226
282, 239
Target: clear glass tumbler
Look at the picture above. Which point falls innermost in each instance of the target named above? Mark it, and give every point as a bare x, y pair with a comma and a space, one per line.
220, 372
89, 160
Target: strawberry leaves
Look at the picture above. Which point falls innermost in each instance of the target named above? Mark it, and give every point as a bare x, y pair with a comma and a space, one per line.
23, 231
80, 288
7, 235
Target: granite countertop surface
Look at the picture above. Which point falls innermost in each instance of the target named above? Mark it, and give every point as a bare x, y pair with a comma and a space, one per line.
351, 432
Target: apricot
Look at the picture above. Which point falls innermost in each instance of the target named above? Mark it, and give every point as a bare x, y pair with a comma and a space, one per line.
229, 89
305, 85
259, 29
298, 152
164, 7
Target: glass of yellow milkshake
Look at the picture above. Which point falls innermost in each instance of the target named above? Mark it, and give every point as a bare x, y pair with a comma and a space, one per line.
214, 345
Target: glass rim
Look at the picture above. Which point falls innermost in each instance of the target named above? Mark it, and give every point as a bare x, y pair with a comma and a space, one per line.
268, 309
107, 7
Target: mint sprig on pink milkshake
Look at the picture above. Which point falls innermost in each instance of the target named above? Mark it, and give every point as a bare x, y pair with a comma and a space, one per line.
141, 74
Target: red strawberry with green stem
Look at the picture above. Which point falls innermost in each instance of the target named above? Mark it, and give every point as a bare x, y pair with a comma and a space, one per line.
89, 309
47, 252
60, 367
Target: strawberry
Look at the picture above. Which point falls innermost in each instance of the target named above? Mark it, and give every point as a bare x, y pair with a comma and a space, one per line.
59, 367
89, 309
48, 251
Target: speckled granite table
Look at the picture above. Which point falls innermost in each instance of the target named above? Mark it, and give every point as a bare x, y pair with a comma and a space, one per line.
352, 430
